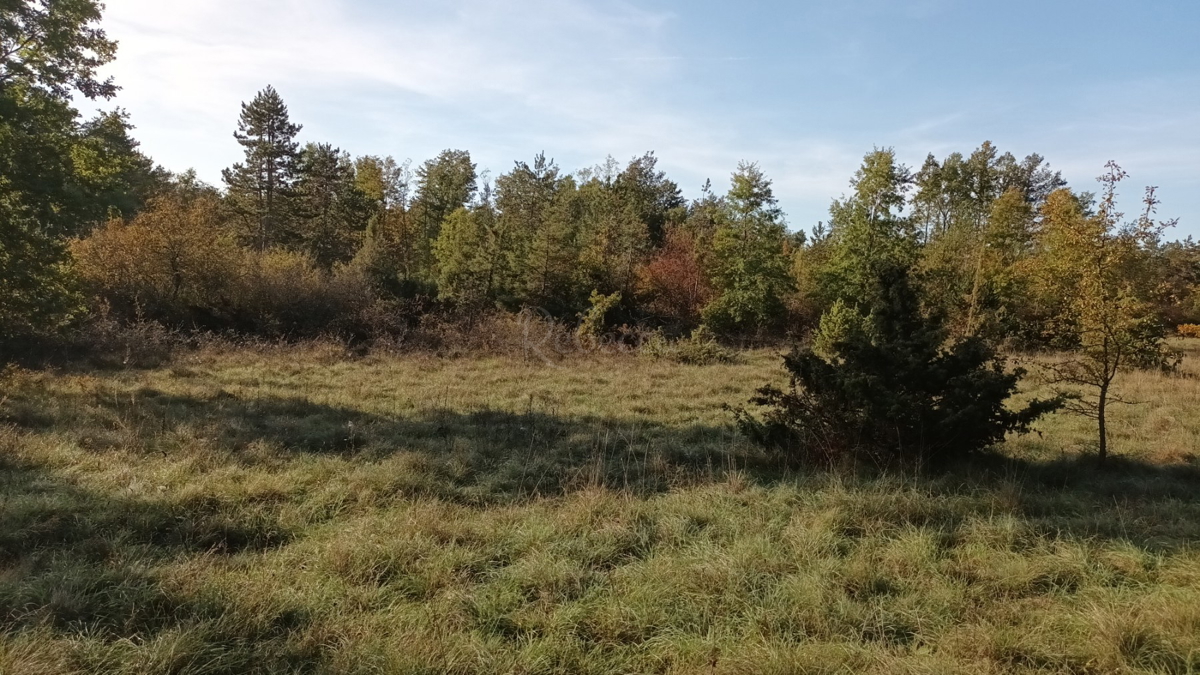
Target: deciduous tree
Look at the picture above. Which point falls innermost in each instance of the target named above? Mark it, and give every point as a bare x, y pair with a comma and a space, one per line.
1094, 264
750, 264
673, 282
55, 47
868, 230
445, 184
49, 52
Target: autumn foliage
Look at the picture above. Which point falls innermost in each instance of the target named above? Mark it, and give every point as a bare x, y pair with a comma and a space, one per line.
673, 280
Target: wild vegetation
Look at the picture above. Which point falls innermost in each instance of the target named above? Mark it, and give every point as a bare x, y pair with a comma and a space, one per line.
302, 240
341, 415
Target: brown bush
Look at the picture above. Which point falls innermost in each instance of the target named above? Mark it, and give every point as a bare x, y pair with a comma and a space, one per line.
1189, 330
673, 281
178, 264
171, 263
283, 293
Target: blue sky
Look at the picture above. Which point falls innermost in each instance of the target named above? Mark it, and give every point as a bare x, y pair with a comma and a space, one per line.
803, 88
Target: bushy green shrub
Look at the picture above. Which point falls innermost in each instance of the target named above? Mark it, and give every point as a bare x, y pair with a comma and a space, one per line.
836, 326
38, 289
592, 322
699, 349
893, 392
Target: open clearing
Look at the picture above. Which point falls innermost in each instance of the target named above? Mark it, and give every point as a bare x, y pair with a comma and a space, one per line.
299, 511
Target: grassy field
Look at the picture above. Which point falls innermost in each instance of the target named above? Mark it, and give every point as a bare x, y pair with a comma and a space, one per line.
300, 511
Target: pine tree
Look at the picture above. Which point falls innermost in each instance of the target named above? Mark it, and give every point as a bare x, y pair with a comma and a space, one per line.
883, 384
539, 216
471, 256
550, 269
261, 188
649, 194
614, 230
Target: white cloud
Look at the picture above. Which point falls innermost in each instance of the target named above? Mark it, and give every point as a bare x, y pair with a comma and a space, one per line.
185, 67
578, 79
503, 79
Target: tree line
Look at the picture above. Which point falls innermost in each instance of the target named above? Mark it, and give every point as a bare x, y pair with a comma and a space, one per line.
982, 232
92, 224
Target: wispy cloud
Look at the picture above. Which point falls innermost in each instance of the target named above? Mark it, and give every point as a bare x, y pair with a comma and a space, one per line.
581, 79
190, 64
503, 79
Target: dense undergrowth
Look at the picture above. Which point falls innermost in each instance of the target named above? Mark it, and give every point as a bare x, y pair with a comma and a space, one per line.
309, 509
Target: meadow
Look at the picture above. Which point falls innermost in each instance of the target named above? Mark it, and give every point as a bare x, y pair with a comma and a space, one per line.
306, 510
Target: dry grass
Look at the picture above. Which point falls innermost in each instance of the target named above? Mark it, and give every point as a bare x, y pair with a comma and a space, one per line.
293, 510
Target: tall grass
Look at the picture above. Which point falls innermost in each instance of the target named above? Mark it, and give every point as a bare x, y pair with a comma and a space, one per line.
303, 510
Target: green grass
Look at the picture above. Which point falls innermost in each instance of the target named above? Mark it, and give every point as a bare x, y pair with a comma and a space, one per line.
294, 510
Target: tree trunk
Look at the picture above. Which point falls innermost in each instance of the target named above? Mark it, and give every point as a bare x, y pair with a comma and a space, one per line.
1101, 406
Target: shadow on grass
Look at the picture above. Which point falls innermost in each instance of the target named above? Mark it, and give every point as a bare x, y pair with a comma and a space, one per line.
480, 456
527, 454
87, 562
1153, 507
76, 561
87, 567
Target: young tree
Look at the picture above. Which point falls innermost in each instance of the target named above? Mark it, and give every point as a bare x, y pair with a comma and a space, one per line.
810, 260
649, 195
550, 275
890, 388
393, 254
472, 255
1095, 265
539, 215
750, 262
673, 282
393, 245
385, 182
614, 232
38, 293
260, 189
998, 294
